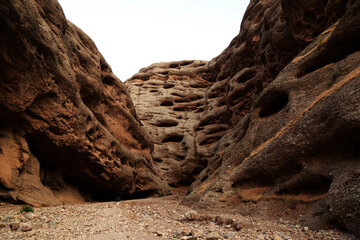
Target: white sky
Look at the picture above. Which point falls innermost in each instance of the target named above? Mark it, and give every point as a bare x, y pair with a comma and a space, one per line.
132, 34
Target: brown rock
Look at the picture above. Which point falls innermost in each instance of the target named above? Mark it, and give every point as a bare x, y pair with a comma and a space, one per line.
280, 116
213, 236
291, 133
26, 228
169, 98
63, 111
14, 226
191, 215
237, 225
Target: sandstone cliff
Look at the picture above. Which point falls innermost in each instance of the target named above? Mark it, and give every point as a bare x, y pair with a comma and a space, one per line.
170, 98
279, 120
67, 124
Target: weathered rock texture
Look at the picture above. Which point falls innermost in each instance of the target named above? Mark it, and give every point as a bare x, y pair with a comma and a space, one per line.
67, 124
170, 98
286, 95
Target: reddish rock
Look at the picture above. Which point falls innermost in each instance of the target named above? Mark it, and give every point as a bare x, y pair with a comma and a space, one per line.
66, 121
26, 228
14, 226
293, 134
285, 97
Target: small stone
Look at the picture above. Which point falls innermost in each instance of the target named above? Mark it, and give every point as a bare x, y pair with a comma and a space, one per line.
179, 232
220, 220
26, 227
237, 225
29, 216
14, 226
230, 235
2, 225
212, 227
213, 236
306, 228
261, 237
160, 234
277, 237
192, 238
191, 215
52, 223
197, 232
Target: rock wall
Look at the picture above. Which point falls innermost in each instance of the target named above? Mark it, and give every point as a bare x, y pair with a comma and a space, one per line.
285, 94
67, 124
170, 98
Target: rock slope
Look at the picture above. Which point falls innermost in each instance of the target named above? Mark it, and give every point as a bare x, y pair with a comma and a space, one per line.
67, 124
286, 96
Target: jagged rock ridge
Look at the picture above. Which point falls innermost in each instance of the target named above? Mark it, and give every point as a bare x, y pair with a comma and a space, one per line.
67, 124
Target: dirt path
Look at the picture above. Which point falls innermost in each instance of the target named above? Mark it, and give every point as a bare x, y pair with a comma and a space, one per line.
153, 218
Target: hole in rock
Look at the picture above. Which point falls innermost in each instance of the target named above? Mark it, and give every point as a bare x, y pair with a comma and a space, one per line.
198, 85
89, 96
167, 103
273, 103
246, 76
175, 137
108, 80
174, 65
186, 63
169, 85
152, 91
158, 160
204, 178
179, 109
166, 123
181, 157
312, 184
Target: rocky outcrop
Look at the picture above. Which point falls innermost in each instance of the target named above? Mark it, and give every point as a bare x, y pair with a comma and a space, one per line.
286, 96
296, 139
67, 124
170, 98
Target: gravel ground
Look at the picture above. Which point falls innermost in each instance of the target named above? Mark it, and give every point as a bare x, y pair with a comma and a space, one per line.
153, 218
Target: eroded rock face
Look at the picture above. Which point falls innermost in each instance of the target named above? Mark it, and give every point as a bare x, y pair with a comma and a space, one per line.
286, 95
66, 121
170, 98
299, 136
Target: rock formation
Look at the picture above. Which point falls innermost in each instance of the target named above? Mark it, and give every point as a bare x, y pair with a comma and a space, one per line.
170, 98
67, 124
285, 97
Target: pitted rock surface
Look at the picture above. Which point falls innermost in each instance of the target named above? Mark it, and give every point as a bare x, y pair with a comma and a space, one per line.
67, 124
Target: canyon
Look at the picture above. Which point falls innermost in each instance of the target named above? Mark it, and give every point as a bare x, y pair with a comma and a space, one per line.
270, 126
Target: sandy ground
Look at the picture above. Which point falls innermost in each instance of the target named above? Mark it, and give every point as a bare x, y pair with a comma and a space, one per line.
152, 218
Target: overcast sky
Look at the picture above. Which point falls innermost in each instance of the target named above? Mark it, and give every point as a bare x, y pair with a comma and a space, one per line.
132, 34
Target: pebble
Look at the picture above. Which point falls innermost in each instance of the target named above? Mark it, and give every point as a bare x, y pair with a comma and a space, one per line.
26, 228
213, 236
230, 235
191, 215
277, 237
14, 226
